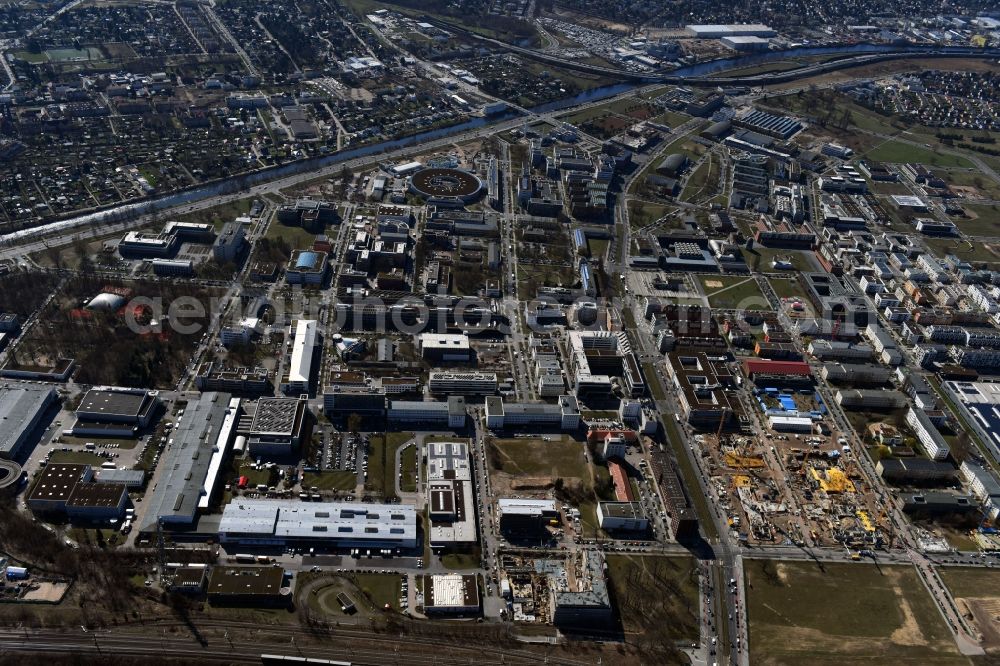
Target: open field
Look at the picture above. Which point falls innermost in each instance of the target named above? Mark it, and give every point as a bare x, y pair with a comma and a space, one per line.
981, 221
767, 255
789, 288
733, 292
843, 614
408, 469
530, 456
974, 252
656, 594
977, 594
333, 480
897, 151
382, 461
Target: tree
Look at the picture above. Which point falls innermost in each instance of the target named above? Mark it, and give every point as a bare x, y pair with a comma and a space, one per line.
354, 422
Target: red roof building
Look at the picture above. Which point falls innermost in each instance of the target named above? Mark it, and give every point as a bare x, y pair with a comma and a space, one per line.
623, 489
764, 367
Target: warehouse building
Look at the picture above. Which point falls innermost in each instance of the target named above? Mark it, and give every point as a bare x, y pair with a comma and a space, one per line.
526, 518
92, 501
716, 31
191, 462
277, 426
450, 502
55, 486
273, 522
248, 586
115, 412
22, 408
69, 489
298, 375
453, 594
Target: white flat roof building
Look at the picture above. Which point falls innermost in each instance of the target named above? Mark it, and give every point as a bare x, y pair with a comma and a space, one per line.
300, 364
345, 524
449, 494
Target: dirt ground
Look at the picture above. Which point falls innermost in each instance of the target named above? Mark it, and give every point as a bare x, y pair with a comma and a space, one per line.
51, 592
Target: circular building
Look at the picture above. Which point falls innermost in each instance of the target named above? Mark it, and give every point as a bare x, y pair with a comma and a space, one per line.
446, 183
10, 476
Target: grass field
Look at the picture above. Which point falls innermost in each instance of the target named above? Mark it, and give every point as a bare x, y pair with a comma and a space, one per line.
982, 220
335, 480
296, 237
529, 456
975, 252
382, 589
655, 388
408, 467
733, 292
790, 288
764, 257
986, 186
656, 594
219, 215
843, 614
897, 151
82, 457
382, 461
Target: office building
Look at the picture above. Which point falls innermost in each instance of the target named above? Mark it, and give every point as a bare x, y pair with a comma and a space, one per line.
453, 594
526, 518
565, 414
463, 383
277, 426
622, 517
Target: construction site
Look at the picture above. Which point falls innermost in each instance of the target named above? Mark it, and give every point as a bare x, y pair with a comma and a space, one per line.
797, 481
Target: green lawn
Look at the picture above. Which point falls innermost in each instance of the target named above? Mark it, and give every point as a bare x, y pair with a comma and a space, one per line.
982, 220
764, 257
82, 457
530, 456
843, 613
655, 387
656, 595
382, 461
970, 251
983, 183
460, 561
897, 151
790, 288
296, 237
408, 466
334, 480
971, 581
735, 292
382, 589
219, 215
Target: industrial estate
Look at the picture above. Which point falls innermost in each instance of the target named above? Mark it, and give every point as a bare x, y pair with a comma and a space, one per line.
356, 332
